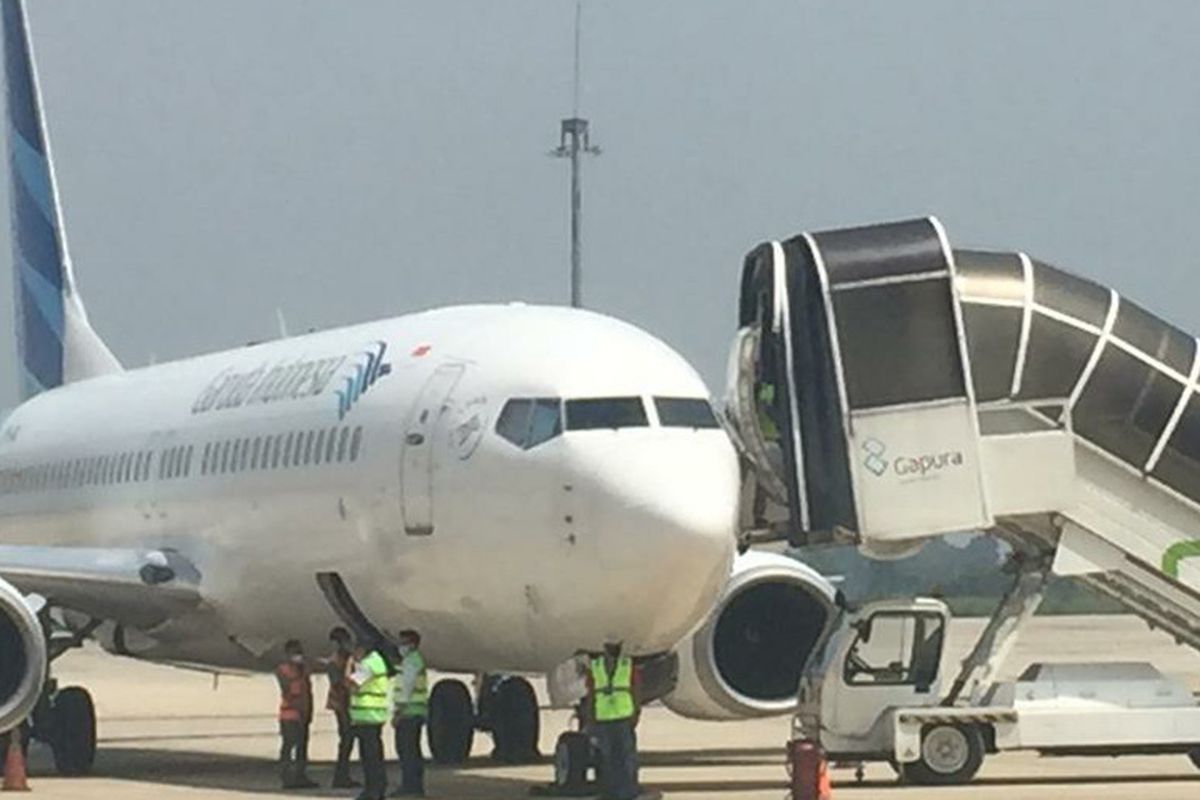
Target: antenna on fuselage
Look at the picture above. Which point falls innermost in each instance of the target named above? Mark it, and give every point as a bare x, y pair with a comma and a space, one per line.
573, 143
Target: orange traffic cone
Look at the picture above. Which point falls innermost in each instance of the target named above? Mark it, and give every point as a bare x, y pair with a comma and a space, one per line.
15, 779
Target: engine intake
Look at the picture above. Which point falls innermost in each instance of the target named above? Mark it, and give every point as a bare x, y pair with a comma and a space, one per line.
746, 659
23, 658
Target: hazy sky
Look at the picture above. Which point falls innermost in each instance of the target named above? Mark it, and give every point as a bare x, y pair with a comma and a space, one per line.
364, 158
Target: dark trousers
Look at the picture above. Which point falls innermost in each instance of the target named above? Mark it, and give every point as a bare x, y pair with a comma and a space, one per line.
370, 752
293, 751
618, 773
341, 770
408, 750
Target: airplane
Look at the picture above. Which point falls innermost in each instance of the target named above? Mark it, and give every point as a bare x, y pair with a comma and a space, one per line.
519, 482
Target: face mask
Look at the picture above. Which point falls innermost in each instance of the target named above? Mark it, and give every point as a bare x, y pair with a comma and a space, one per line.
405, 649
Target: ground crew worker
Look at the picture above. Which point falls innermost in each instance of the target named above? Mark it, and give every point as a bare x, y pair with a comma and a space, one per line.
613, 710
295, 716
370, 701
410, 708
337, 669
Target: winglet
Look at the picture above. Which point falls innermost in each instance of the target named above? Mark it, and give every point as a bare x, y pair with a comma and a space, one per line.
55, 341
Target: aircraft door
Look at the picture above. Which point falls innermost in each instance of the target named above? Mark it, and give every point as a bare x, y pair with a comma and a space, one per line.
419, 460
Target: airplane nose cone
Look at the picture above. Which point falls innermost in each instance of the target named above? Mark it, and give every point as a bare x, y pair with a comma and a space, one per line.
664, 508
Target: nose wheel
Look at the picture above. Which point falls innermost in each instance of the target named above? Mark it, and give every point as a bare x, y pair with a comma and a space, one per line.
451, 722
508, 707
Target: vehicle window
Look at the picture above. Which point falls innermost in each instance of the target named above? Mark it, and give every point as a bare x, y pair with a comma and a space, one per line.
513, 422
685, 412
297, 448
276, 443
318, 446
355, 443
224, 456
343, 440
546, 421
528, 422
287, 450
896, 649
255, 449
187, 461
606, 412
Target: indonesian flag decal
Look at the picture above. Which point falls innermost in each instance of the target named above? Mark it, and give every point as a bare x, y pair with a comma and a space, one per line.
421, 350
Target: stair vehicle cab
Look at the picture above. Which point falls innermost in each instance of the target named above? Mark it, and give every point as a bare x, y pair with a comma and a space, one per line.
877, 692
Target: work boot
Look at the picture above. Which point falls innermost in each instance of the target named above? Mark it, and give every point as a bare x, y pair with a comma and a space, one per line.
346, 782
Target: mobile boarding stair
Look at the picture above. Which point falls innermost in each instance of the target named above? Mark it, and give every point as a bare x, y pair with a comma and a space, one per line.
886, 388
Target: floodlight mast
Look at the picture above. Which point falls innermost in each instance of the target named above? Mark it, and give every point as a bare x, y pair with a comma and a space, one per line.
574, 142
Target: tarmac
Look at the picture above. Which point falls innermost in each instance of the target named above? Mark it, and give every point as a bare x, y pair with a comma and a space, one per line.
172, 733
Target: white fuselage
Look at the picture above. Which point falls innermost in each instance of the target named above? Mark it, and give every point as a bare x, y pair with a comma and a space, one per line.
506, 558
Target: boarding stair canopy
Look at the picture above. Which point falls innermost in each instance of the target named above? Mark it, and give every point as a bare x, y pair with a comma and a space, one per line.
886, 388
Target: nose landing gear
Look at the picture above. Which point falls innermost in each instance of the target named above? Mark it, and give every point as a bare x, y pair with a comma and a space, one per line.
508, 709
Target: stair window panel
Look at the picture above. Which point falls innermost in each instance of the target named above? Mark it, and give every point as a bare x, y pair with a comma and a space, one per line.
1179, 466
1125, 406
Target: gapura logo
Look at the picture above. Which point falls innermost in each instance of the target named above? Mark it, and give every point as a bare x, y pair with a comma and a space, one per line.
906, 466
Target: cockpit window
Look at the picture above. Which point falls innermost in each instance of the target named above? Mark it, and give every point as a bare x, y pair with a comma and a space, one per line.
685, 412
606, 412
527, 422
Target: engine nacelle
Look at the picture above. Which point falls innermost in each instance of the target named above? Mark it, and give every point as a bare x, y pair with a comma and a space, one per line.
23, 658
746, 659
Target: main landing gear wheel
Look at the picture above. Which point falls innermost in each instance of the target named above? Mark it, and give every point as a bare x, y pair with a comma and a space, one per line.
515, 721
73, 731
950, 754
451, 722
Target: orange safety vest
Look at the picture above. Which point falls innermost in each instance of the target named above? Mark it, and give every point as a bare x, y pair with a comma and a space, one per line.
295, 697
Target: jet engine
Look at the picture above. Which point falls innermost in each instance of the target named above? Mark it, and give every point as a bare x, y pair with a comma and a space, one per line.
22, 658
746, 659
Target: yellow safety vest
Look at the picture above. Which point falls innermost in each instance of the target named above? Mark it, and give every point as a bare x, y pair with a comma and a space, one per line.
417, 704
370, 703
613, 693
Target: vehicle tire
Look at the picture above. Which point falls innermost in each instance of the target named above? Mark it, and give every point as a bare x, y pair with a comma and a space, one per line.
451, 722
572, 760
516, 722
73, 732
950, 754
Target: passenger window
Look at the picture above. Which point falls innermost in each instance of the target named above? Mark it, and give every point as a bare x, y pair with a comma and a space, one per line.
187, 461
308, 444
343, 440
606, 412
225, 445
244, 461
287, 450
255, 449
685, 412
355, 443
330, 445
318, 447
297, 448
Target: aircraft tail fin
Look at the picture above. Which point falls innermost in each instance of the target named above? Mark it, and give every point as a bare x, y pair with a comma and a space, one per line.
55, 341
